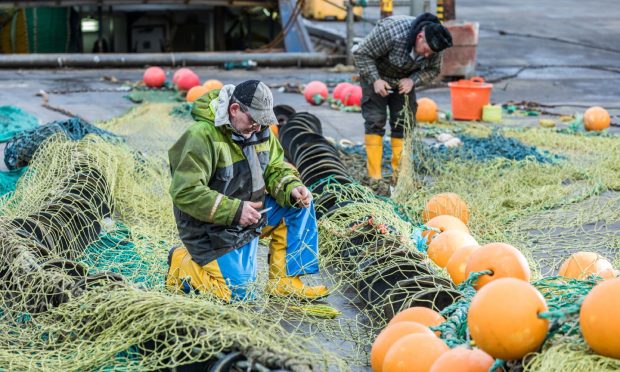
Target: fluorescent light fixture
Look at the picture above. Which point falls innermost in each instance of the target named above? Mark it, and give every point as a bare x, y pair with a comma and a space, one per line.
90, 25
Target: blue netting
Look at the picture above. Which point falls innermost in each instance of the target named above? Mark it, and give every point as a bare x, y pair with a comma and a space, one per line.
494, 146
8, 180
21, 148
14, 120
473, 148
115, 252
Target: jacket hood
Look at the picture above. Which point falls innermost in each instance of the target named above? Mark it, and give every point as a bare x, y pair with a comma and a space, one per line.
213, 106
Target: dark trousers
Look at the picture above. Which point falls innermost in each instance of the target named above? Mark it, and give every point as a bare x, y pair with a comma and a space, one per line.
375, 110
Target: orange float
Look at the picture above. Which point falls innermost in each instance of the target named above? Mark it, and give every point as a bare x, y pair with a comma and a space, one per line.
154, 77
195, 93
412, 353
457, 264
212, 84
427, 110
388, 336
275, 130
596, 118
446, 203
503, 319
443, 223
445, 244
463, 360
419, 314
599, 319
580, 265
504, 260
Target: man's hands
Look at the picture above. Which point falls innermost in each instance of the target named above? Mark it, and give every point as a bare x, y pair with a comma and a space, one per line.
381, 87
249, 213
301, 196
405, 85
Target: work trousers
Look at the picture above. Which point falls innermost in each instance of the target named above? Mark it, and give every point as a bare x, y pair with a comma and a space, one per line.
375, 110
293, 251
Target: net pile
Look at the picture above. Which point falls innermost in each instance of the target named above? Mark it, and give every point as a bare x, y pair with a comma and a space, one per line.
85, 238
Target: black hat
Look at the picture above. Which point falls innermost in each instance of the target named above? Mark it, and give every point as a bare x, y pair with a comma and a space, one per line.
437, 36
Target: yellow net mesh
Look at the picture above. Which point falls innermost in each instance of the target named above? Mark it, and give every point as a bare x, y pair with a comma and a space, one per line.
84, 241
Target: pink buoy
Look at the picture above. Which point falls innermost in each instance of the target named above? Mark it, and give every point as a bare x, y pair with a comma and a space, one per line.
154, 77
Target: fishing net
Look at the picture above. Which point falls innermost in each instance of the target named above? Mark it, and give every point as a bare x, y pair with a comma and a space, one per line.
14, 120
86, 234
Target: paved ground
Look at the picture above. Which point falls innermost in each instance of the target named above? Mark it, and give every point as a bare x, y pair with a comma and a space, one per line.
564, 54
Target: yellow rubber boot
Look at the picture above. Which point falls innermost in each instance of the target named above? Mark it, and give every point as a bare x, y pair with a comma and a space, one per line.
280, 284
293, 286
374, 155
205, 279
397, 150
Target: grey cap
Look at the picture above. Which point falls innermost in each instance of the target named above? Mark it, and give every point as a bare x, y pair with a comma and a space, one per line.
258, 100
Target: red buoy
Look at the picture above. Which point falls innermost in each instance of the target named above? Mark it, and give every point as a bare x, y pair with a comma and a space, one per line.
188, 80
352, 96
178, 73
341, 87
315, 92
154, 77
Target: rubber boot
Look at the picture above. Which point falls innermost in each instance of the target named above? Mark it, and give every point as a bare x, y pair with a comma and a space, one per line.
374, 155
281, 285
397, 150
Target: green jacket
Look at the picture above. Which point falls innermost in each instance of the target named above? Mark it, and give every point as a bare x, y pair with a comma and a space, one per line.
213, 171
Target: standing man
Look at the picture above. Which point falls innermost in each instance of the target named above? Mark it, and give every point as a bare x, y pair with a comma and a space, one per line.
229, 185
400, 54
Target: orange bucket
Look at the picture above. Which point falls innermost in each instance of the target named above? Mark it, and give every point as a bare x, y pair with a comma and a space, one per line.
468, 98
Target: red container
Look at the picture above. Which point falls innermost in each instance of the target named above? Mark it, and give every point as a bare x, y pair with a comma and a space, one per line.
468, 98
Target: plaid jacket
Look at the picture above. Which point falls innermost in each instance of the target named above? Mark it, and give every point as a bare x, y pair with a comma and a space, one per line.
385, 54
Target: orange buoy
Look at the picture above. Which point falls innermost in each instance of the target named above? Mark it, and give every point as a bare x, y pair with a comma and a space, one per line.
446, 203
502, 259
178, 73
416, 352
580, 265
427, 110
275, 130
596, 118
445, 244
352, 96
337, 93
599, 319
443, 223
195, 93
388, 336
154, 77
503, 318
419, 314
188, 80
315, 92
212, 84
463, 360
457, 264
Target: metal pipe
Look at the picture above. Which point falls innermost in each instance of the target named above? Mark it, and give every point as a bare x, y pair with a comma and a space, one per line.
92, 60
350, 25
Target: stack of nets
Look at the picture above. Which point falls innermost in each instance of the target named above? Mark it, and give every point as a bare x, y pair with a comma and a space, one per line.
87, 231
